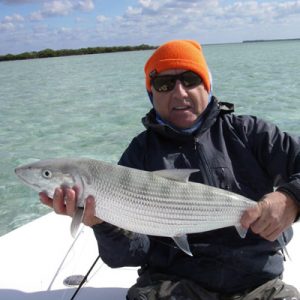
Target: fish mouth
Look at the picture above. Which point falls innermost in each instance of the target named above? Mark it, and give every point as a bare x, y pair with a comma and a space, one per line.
19, 172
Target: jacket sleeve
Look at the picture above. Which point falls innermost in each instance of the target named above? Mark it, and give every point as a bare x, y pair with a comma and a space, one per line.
277, 152
118, 247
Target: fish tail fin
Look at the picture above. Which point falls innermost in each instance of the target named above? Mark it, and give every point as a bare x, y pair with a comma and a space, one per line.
241, 231
182, 242
76, 221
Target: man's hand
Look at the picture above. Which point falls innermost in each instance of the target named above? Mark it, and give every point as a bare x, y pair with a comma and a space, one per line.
64, 203
274, 213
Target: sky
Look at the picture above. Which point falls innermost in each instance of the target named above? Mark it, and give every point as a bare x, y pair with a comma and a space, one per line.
34, 25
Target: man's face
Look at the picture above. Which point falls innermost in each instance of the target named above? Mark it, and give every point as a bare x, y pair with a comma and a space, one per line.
182, 105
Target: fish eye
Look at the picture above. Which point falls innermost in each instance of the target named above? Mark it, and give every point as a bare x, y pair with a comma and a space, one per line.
47, 174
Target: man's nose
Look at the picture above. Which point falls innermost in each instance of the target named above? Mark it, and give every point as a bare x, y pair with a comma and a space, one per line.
179, 88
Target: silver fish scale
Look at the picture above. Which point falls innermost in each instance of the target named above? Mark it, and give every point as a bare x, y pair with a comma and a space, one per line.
147, 203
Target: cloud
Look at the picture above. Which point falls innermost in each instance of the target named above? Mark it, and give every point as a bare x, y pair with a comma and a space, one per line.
209, 21
13, 18
151, 22
86, 5
36, 16
61, 8
181, 16
6, 27
13, 2
17, 32
57, 8
206, 15
102, 19
10, 23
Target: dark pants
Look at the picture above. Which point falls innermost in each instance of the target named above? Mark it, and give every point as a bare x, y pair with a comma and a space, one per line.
159, 289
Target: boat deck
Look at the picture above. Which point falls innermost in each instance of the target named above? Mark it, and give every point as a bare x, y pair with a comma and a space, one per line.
36, 259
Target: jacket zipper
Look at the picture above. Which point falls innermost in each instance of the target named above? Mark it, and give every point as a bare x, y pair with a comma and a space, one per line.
203, 163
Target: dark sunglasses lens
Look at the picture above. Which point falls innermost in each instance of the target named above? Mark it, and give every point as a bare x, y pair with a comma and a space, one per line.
166, 83
163, 83
190, 79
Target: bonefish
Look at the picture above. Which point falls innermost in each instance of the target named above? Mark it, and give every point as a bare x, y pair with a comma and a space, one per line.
159, 203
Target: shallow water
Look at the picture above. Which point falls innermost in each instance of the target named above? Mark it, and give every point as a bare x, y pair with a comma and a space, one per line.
92, 105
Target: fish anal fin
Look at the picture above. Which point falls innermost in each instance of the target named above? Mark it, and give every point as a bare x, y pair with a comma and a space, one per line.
176, 174
182, 242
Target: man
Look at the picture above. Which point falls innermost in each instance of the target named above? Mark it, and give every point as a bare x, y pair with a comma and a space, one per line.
190, 128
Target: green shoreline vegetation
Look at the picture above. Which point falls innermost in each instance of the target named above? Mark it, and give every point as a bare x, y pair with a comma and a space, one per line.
68, 52
96, 50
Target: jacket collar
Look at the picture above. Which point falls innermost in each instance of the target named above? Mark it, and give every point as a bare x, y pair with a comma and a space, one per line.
214, 109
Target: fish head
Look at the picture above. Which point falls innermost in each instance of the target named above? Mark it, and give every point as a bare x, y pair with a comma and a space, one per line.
47, 175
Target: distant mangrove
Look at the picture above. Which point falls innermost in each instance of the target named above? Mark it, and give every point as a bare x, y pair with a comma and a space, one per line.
68, 52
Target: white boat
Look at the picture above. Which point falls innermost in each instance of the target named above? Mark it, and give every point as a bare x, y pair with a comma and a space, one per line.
37, 259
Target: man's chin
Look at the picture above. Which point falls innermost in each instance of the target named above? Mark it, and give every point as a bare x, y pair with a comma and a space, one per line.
183, 124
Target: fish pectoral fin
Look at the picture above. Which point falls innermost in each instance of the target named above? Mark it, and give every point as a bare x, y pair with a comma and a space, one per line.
241, 231
176, 174
76, 221
183, 244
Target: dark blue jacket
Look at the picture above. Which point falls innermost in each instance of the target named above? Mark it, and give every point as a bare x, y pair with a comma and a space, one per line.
242, 154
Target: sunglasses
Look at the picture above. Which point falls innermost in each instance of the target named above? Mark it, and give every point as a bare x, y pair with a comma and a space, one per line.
166, 83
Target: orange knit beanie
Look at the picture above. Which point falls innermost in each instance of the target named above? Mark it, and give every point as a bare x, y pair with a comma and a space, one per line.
178, 54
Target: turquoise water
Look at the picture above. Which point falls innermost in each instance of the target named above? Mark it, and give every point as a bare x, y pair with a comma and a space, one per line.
91, 106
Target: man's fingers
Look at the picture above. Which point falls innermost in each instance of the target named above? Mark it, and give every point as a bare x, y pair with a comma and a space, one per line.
277, 213
260, 225
89, 218
70, 201
45, 199
273, 234
269, 232
58, 202
250, 216
64, 202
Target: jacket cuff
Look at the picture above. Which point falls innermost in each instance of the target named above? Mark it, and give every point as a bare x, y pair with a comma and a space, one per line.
293, 190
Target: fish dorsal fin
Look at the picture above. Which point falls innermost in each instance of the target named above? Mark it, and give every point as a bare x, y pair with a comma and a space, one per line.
182, 242
176, 174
